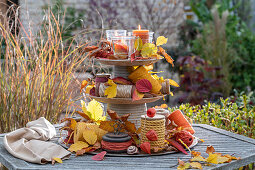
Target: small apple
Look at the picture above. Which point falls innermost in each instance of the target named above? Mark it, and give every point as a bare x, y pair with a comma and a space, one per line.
151, 112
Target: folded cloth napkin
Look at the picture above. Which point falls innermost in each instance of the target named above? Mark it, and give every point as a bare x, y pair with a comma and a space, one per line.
29, 144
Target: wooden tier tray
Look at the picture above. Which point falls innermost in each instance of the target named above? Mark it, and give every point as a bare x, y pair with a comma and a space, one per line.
126, 100
141, 154
127, 62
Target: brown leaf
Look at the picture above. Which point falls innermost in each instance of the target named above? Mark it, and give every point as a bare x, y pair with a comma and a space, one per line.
195, 153
90, 48
125, 117
210, 149
139, 130
84, 115
130, 127
113, 115
107, 125
84, 150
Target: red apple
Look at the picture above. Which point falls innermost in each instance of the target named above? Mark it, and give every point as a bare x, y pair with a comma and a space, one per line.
151, 112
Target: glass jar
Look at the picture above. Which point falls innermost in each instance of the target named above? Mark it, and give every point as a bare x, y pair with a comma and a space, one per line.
113, 33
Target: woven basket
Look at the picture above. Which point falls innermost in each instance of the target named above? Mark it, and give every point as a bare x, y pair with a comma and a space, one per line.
157, 123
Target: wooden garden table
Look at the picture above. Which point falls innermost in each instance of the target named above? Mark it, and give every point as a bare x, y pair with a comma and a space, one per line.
223, 141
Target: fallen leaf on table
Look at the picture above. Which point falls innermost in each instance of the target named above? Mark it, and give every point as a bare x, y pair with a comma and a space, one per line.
212, 158
99, 157
196, 165
90, 136
182, 165
111, 91
231, 157
78, 146
198, 158
161, 40
210, 149
195, 153
223, 159
58, 160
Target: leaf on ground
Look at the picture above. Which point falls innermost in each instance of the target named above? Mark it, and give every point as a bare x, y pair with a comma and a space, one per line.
196, 165
173, 83
113, 115
58, 160
130, 127
90, 136
198, 158
161, 40
78, 146
231, 157
222, 159
99, 157
210, 149
111, 91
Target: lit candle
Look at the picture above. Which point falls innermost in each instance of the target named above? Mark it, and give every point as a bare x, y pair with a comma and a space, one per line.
143, 34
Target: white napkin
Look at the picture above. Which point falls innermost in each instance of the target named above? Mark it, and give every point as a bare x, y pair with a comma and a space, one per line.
29, 144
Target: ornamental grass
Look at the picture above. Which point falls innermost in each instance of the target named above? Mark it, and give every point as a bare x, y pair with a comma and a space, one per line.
36, 71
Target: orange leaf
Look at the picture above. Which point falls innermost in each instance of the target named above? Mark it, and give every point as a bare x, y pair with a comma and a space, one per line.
130, 127
210, 149
107, 125
167, 57
195, 153
164, 106
82, 151
125, 117
84, 115
83, 84
113, 115
90, 136
137, 95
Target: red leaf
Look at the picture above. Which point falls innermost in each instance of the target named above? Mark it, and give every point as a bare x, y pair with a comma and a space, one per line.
121, 80
152, 135
143, 85
99, 157
146, 147
177, 146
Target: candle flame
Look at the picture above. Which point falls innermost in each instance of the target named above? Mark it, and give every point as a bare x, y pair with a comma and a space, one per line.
139, 27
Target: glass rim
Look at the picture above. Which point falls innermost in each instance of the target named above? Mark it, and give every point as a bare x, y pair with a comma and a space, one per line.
123, 37
115, 30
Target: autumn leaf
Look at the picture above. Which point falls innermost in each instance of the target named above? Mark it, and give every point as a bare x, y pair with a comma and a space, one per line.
138, 44
198, 158
137, 95
173, 83
146, 147
113, 115
125, 117
83, 84
222, 159
84, 115
78, 146
212, 158
111, 91
182, 165
167, 57
99, 157
161, 40
88, 88
195, 153
231, 157
196, 165
130, 127
210, 149
84, 150
90, 136
148, 50
58, 160
78, 132
107, 125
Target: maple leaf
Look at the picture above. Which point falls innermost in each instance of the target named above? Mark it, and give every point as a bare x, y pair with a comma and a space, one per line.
111, 91
210, 149
99, 156
167, 57
130, 127
138, 44
78, 146
196, 165
58, 160
161, 40
90, 136
173, 83
113, 115
148, 50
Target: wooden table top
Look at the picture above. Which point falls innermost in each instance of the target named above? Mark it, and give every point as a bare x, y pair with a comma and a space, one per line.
223, 141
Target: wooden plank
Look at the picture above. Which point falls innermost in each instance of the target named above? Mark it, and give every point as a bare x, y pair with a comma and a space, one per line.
223, 141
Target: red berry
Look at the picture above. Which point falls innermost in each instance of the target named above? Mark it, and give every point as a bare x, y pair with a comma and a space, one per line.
151, 112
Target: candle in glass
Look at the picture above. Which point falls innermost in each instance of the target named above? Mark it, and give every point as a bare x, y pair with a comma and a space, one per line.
143, 34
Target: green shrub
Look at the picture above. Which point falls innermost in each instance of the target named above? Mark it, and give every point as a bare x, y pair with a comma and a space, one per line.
237, 118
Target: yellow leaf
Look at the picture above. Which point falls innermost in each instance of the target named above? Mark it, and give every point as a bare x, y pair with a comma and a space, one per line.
83, 84
183, 167
73, 124
198, 158
173, 83
78, 132
58, 160
148, 50
78, 146
88, 88
196, 165
161, 40
111, 91
138, 44
95, 111
90, 136
222, 159
171, 93
212, 158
